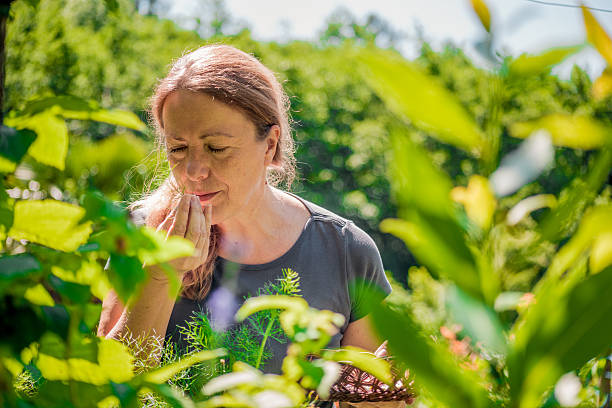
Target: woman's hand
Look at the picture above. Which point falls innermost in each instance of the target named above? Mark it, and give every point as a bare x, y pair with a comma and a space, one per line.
187, 220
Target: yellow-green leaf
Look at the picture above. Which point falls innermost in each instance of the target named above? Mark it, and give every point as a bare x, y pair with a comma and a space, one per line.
51, 144
597, 36
165, 373
527, 64
482, 11
363, 360
602, 87
115, 360
38, 295
575, 131
51, 223
477, 199
165, 249
416, 96
259, 303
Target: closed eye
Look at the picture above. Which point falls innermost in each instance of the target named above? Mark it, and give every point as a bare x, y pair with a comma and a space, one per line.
216, 149
177, 149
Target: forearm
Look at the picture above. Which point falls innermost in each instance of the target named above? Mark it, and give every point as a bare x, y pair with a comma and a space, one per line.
147, 313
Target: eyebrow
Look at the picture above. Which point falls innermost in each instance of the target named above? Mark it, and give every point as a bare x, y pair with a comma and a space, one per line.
203, 135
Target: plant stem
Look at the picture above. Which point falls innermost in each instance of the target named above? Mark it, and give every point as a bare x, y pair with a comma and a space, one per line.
265, 339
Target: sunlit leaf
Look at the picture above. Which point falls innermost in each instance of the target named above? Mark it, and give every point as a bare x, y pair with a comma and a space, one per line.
259, 303
231, 380
439, 245
166, 372
597, 36
602, 87
51, 144
478, 321
38, 295
601, 252
72, 107
411, 94
51, 223
13, 146
165, 249
477, 199
482, 11
527, 64
115, 360
363, 360
575, 131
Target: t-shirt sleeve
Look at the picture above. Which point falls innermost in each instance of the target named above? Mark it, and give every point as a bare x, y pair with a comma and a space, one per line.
365, 271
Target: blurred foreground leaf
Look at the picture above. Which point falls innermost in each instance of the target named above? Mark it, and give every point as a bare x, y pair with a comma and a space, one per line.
597, 36
414, 95
577, 132
433, 366
527, 64
482, 11
13, 146
565, 328
51, 223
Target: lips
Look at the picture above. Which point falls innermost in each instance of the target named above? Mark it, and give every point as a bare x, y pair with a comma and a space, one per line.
206, 196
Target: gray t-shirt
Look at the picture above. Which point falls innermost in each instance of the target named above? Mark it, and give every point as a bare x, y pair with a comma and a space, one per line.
330, 253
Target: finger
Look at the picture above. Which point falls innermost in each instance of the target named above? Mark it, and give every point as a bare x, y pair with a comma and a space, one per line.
204, 241
182, 216
381, 351
196, 214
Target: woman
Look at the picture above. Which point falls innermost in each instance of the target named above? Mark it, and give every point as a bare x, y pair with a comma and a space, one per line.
222, 118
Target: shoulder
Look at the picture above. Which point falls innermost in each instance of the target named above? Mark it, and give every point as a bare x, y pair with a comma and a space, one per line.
357, 241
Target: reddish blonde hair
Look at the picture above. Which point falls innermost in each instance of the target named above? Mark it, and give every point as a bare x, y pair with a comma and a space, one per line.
240, 81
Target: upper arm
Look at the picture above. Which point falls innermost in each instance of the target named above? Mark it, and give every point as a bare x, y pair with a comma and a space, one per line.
361, 334
112, 309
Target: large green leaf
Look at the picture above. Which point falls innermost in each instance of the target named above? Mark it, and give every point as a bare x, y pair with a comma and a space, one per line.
13, 146
567, 326
527, 64
363, 360
115, 360
51, 223
71, 107
127, 275
166, 372
412, 94
17, 267
51, 144
433, 366
416, 181
577, 132
438, 244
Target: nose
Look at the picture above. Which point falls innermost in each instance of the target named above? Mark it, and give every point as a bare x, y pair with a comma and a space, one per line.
197, 167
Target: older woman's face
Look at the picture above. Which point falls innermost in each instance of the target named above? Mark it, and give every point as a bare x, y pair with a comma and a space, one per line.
214, 153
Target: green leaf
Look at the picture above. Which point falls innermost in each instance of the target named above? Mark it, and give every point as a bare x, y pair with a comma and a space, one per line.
173, 397
51, 145
38, 295
19, 266
478, 320
259, 303
166, 372
597, 36
577, 132
13, 146
416, 181
115, 360
73, 292
565, 328
527, 64
412, 94
126, 274
363, 360
72, 107
165, 249
51, 223
433, 366
438, 244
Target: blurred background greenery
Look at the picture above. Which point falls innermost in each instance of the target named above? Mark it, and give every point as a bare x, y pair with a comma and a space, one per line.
82, 48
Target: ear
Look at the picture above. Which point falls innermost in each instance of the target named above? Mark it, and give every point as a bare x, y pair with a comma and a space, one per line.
271, 141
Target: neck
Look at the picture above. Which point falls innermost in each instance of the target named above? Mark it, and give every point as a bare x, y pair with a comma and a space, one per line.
246, 237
